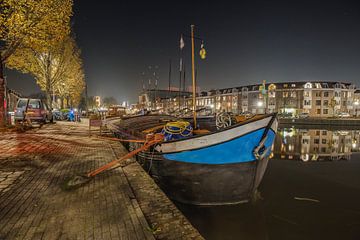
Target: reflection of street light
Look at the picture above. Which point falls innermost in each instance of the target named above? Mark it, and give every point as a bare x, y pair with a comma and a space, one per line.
260, 103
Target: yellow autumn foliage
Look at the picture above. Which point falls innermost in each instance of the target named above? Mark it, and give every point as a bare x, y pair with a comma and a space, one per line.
57, 69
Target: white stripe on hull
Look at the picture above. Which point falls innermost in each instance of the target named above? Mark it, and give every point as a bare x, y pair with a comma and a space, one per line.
215, 138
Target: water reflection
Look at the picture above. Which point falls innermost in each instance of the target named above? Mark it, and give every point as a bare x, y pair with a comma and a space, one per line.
282, 212
316, 144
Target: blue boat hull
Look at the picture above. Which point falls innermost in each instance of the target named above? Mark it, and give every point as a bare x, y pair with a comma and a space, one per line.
220, 174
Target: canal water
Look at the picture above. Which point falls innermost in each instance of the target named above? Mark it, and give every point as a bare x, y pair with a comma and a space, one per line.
311, 190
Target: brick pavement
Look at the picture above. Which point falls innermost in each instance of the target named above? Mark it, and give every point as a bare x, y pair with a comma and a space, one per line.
33, 167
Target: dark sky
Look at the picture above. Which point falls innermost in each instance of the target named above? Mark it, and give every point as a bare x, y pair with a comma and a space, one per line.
246, 42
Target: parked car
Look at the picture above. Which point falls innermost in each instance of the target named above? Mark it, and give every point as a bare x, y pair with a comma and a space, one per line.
304, 115
37, 111
285, 115
344, 115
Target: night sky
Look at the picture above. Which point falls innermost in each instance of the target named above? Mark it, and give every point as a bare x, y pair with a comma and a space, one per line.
246, 42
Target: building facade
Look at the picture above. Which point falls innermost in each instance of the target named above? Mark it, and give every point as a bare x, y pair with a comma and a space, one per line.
317, 99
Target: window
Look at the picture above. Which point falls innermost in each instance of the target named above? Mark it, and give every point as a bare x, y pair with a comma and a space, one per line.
316, 141
305, 141
326, 94
323, 141
324, 132
318, 94
323, 150
285, 94
293, 94
318, 102
325, 111
318, 133
318, 111
307, 102
285, 85
326, 103
293, 85
34, 104
306, 94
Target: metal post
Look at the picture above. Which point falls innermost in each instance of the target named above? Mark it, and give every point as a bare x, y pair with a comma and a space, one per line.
193, 74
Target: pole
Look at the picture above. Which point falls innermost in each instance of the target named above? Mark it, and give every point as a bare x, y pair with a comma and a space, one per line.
169, 93
2, 94
180, 70
193, 75
184, 88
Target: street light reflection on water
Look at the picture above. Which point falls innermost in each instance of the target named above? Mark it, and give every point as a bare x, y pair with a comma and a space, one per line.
311, 190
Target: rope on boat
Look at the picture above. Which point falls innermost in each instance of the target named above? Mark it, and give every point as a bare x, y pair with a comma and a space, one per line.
176, 130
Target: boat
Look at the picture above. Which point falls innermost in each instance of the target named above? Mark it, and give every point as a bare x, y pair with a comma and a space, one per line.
204, 160
218, 167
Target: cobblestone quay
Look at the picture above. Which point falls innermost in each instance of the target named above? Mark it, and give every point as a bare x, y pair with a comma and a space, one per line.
123, 203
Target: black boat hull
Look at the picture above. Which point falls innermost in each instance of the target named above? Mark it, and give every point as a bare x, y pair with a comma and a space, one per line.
206, 184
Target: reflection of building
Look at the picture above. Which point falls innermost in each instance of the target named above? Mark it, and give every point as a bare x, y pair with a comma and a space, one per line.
97, 100
315, 144
318, 99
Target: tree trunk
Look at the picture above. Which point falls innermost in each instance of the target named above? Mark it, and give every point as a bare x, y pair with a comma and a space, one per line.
48, 92
62, 102
2, 94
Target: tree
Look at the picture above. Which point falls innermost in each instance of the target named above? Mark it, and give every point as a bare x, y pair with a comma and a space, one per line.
108, 101
52, 68
35, 24
72, 79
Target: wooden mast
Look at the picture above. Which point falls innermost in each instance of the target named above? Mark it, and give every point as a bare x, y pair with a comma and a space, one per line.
193, 75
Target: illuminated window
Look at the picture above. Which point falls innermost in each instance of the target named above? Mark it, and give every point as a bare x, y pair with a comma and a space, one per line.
308, 85
323, 141
325, 111
326, 103
285, 94
318, 111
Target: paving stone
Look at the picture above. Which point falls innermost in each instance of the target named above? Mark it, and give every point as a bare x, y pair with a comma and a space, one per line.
124, 203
